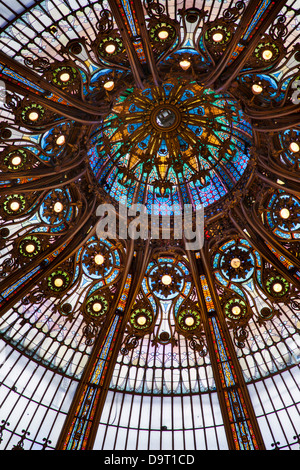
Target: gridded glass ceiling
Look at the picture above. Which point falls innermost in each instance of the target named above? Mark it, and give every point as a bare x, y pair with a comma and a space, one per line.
196, 351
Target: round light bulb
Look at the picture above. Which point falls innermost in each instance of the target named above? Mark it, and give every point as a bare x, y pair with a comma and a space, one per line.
16, 160
58, 282
99, 259
218, 37
14, 206
267, 54
185, 64
30, 248
97, 307
236, 310
141, 320
235, 263
257, 89
110, 48
64, 77
33, 116
166, 279
109, 86
294, 147
189, 321
58, 207
163, 34
284, 213
60, 140
277, 287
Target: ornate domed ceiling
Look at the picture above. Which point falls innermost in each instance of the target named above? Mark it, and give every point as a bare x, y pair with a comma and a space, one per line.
180, 139
142, 343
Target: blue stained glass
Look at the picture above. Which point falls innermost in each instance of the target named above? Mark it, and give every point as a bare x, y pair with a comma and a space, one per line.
134, 108
168, 87
225, 177
130, 195
199, 110
21, 281
149, 202
183, 144
238, 290
143, 145
129, 16
16, 76
163, 149
196, 129
221, 278
112, 177
187, 95
175, 197
195, 194
281, 234
256, 18
183, 191
119, 192
148, 93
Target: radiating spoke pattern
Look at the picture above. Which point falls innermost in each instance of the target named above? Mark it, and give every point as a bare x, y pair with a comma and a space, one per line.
116, 342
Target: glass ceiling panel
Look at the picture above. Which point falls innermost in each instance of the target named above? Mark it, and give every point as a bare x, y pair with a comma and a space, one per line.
178, 124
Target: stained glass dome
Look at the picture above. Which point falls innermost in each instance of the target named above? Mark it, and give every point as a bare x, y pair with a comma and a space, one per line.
125, 339
183, 141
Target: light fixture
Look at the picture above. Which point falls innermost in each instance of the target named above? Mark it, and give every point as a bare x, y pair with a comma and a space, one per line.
58, 282
109, 85
60, 140
110, 48
58, 207
185, 64
141, 320
16, 160
163, 34
14, 206
189, 320
235, 263
284, 213
99, 259
236, 310
294, 147
97, 307
64, 77
277, 287
257, 89
218, 37
30, 248
166, 279
267, 54
33, 116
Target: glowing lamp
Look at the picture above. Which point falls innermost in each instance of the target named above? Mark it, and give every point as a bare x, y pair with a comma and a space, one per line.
218, 37
109, 85
163, 34
58, 282
58, 207
284, 213
99, 259
166, 280
185, 64
235, 263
